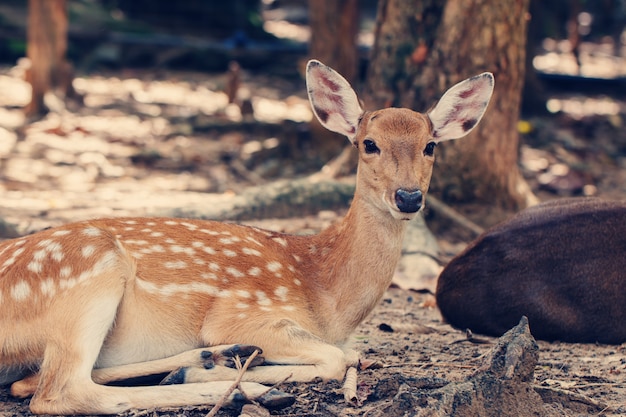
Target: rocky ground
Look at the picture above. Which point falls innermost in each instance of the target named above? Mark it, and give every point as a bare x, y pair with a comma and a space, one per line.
146, 143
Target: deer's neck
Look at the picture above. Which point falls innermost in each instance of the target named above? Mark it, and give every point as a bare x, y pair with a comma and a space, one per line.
356, 260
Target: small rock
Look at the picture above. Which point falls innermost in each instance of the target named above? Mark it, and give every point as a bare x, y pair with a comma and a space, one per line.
252, 410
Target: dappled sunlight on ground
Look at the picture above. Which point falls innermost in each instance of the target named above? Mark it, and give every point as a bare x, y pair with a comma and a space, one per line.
136, 140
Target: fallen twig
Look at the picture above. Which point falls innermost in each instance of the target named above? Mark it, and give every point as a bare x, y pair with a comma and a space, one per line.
235, 384
349, 386
442, 208
469, 337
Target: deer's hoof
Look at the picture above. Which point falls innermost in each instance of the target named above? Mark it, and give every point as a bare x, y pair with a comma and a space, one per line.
177, 376
227, 357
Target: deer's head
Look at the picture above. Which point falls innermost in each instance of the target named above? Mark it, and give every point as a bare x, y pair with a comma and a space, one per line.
396, 146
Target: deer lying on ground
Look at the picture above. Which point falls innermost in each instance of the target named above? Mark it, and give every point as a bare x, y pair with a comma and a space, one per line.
562, 264
102, 300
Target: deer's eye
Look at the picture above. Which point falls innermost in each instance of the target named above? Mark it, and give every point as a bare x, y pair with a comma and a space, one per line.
370, 146
430, 149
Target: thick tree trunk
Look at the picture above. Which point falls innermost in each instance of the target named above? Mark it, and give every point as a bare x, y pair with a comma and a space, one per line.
46, 50
471, 36
334, 27
405, 33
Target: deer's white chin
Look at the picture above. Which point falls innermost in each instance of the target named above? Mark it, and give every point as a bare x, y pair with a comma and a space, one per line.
398, 215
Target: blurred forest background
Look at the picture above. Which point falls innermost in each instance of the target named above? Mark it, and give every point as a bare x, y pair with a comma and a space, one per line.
208, 96
199, 108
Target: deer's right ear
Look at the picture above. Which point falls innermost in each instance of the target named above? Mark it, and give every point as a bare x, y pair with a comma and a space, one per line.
334, 102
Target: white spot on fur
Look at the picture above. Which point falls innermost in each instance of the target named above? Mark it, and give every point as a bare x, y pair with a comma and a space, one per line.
262, 299
20, 291
170, 222
234, 272
152, 249
156, 234
297, 258
139, 242
229, 253
65, 272
192, 287
61, 233
92, 231
189, 226
12, 259
281, 293
182, 249
249, 251
274, 266
56, 251
209, 250
281, 240
242, 316
209, 232
229, 240
254, 271
40, 254
297, 282
175, 264
129, 222
34, 266
214, 267
209, 275
88, 250
105, 263
65, 284
253, 240
47, 287
49, 247
288, 308
243, 293
242, 305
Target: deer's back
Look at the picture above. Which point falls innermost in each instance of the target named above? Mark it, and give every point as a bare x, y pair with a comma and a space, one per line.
562, 264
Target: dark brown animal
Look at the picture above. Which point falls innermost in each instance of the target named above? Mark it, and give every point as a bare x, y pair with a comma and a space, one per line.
562, 264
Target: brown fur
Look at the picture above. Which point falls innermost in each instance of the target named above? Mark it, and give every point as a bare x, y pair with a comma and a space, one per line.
562, 264
96, 301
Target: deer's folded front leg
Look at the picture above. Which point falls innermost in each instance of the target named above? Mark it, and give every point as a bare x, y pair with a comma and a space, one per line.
304, 357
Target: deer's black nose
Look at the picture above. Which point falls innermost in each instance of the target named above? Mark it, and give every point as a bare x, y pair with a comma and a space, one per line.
408, 201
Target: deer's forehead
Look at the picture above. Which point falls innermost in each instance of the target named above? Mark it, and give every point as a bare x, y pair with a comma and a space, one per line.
390, 124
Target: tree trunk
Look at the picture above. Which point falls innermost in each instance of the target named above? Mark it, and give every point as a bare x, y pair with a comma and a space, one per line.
471, 36
334, 27
405, 33
46, 50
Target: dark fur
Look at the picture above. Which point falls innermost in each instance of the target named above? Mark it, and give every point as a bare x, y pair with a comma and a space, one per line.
562, 264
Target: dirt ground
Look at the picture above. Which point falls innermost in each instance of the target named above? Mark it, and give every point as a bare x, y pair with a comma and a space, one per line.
144, 143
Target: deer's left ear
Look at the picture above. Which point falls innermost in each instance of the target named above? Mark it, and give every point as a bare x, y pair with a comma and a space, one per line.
334, 102
461, 107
